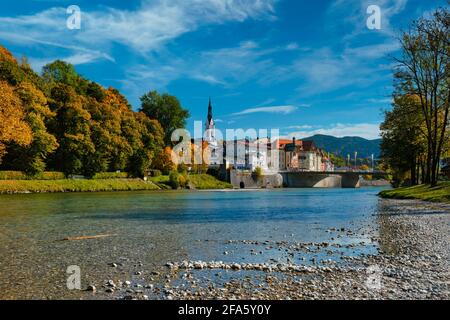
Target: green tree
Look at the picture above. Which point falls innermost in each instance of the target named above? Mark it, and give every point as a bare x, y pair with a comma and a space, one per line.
148, 144
60, 72
71, 125
167, 110
403, 138
424, 67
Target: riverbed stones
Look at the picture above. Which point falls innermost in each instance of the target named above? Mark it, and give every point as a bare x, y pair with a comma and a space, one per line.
412, 265
91, 288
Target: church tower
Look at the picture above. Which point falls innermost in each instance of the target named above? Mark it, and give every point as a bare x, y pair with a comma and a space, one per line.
210, 137
209, 127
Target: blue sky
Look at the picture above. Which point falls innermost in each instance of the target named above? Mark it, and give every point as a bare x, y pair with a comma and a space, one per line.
302, 66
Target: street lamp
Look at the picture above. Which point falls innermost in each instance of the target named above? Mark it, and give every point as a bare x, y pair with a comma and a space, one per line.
373, 167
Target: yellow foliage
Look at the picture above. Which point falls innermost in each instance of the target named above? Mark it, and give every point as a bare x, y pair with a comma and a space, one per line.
33, 99
5, 55
13, 128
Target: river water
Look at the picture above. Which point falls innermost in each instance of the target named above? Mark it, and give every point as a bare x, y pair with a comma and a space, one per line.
148, 229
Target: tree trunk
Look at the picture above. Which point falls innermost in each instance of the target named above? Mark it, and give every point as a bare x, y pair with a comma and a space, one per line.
413, 171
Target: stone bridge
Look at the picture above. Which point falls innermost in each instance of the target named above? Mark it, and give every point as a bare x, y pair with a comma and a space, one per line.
298, 179
321, 179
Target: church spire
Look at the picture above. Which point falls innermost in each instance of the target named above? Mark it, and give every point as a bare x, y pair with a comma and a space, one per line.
210, 116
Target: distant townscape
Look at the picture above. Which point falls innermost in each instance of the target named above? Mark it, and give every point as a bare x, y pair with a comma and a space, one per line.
270, 156
277, 154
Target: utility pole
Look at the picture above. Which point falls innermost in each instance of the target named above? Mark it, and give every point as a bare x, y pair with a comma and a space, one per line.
373, 167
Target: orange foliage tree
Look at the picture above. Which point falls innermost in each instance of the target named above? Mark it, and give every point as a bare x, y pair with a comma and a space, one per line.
13, 127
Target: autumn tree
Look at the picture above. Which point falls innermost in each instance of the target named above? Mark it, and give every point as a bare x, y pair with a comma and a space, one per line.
13, 127
62, 121
163, 161
32, 158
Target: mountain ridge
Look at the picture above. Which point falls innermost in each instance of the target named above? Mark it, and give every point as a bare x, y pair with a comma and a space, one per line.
347, 145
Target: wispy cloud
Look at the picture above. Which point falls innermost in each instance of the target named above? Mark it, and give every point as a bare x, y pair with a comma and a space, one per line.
302, 127
227, 67
147, 28
355, 15
273, 109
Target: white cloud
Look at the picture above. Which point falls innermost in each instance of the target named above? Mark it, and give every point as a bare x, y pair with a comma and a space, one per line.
227, 67
208, 78
353, 13
147, 28
380, 100
292, 46
326, 70
273, 109
364, 130
306, 126
381, 50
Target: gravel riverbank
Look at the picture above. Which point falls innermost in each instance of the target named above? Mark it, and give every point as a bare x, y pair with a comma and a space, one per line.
413, 244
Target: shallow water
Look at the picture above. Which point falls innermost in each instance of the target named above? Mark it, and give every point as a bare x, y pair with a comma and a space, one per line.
148, 229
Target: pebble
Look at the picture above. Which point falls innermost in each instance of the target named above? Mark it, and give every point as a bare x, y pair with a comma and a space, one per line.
91, 288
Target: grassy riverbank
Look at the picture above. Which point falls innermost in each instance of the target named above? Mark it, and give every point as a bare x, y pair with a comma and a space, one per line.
70, 185
440, 193
206, 181
200, 181
197, 181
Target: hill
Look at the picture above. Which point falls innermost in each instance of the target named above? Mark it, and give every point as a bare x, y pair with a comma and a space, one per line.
347, 145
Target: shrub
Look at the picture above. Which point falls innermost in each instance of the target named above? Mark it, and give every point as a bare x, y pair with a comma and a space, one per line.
174, 180
110, 175
183, 180
157, 173
12, 175
18, 175
257, 173
213, 172
182, 168
154, 173
50, 175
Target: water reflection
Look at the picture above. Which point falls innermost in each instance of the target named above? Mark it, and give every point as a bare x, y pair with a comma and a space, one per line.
153, 228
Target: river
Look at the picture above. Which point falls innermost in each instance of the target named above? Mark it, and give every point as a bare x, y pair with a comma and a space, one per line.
148, 229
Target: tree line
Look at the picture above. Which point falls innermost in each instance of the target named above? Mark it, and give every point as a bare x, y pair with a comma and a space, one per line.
60, 121
415, 133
